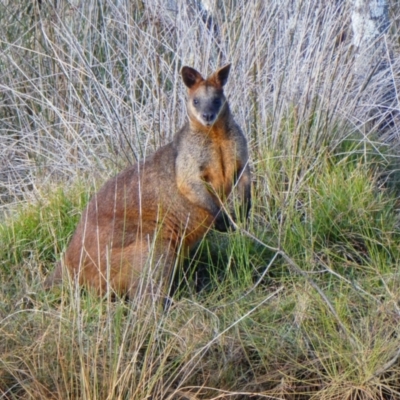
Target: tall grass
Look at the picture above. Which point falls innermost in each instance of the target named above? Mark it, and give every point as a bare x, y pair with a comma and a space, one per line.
301, 303
96, 85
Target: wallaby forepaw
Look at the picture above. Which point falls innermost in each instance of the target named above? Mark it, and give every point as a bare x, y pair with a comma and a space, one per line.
222, 223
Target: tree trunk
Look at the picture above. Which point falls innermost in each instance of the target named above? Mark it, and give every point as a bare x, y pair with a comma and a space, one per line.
370, 24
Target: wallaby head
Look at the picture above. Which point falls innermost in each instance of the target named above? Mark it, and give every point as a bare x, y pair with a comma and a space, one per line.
206, 100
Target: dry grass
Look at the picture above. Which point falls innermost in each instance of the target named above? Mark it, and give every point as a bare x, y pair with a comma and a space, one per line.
300, 304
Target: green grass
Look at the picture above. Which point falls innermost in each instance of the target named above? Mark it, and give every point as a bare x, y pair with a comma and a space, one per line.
319, 318
301, 302
43, 230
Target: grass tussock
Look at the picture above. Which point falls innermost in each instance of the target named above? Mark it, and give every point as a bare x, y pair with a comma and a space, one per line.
302, 302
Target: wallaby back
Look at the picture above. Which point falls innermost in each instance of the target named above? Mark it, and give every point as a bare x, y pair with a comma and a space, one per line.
167, 202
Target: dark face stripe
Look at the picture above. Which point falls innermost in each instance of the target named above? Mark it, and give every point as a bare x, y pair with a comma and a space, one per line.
206, 103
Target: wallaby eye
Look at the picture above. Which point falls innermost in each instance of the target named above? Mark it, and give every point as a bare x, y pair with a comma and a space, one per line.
195, 102
217, 102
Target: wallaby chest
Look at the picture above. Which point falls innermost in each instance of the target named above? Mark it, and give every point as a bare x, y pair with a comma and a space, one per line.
218, 169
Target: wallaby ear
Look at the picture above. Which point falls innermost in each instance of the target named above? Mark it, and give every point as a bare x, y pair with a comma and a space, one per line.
221, 76
190, 76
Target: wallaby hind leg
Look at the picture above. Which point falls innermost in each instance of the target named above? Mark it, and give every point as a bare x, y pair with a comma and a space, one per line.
143, 269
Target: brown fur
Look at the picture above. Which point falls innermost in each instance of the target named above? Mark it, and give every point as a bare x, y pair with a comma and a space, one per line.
166, 202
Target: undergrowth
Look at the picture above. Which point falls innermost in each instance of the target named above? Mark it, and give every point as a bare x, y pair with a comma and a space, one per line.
300, 302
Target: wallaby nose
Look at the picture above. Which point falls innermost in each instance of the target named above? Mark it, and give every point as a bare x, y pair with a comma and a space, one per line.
208, 117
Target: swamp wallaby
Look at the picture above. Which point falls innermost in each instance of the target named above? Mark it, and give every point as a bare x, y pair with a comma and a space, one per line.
166, 203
